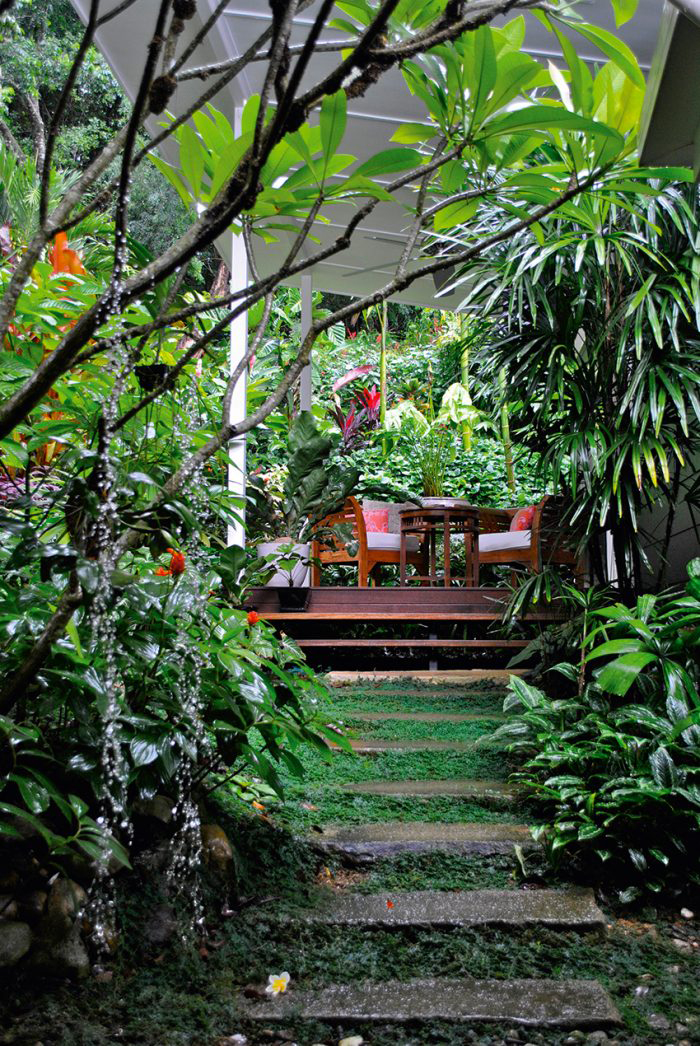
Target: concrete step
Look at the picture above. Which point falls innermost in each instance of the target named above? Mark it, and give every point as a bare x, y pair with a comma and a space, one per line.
367, 842
445, 677
476, 788
422, 717
533, 1003
573, 909
378, 745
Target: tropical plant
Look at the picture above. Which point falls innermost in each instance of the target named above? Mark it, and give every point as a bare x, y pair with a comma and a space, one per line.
615, 767
599, 350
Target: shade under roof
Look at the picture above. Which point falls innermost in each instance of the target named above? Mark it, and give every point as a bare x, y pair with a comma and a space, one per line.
372, 119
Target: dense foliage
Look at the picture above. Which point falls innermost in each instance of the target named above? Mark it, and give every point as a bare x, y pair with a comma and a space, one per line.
615, 766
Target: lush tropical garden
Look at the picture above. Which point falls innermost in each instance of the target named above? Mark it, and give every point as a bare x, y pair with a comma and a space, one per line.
169, 760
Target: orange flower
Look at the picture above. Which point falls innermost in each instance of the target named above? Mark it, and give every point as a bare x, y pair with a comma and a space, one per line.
253, 617
257, 805
64, 259
177, 565
390, 905
177, 562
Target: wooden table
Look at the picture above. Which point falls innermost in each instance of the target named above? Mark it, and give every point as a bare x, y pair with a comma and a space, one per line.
426, 523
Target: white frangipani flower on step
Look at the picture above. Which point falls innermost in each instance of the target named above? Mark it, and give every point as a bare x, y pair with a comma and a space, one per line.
277, 983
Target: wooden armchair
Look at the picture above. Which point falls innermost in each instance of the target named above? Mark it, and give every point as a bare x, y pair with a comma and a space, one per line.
374, 549
548, 541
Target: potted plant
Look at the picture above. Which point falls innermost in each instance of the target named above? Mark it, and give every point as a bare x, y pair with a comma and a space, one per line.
312, 489
433, 441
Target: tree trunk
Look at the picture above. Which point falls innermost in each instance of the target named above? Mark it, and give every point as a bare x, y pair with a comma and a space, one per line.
382, 368
505, 433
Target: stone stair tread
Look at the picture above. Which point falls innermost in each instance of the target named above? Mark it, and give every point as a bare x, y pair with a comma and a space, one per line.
464, 788
564, 909
386, 838
409, 745
533, 1003
423, 717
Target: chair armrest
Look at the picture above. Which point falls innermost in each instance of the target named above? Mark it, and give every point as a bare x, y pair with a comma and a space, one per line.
351, 513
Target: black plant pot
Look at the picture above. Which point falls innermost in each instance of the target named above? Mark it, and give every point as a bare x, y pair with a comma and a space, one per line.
151, 375
292, 600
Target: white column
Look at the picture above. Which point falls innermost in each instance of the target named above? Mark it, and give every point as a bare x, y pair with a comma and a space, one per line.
239, 347
305, 382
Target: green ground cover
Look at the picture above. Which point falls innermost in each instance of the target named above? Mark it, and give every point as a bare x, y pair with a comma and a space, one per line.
179, 995
415, 730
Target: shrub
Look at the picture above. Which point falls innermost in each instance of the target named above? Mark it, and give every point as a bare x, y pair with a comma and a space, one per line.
616, 766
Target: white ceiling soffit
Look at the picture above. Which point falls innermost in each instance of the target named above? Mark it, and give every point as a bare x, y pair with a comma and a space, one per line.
376, 246
670, 132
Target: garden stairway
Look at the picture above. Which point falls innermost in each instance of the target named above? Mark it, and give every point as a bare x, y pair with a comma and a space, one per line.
537, 1002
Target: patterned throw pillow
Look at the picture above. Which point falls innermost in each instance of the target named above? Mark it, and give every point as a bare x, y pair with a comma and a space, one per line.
376, 520
522, 520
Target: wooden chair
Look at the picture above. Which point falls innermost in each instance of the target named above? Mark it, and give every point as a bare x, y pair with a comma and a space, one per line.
373, 550
548, 541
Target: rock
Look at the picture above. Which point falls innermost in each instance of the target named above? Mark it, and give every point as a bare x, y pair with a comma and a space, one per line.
596, 1037
658, 1022
687, 914
216, 847
8, 881
352, 1040
15, 942
233, 1040
576, 1036
161, 926
159, 808
32, 905
65, 902
66, 957
9, 909
681, 945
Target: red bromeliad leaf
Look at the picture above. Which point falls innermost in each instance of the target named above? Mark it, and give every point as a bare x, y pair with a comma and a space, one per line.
352, 375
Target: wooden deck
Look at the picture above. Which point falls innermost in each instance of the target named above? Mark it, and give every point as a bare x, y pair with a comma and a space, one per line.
454, 620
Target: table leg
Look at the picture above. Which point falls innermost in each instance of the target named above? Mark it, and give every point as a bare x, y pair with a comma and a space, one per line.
446, 540
433, 558
402, 558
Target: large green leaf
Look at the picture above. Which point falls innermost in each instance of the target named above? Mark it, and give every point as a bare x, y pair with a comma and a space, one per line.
621, 674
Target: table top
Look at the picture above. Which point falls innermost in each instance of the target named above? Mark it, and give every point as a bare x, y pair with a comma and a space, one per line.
430, 511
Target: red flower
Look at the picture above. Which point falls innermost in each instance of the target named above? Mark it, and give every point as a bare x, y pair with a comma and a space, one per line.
64, 259
390, 905
253, 617
177, 565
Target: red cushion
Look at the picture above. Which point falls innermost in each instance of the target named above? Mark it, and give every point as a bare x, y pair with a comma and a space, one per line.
376, 520
522, 520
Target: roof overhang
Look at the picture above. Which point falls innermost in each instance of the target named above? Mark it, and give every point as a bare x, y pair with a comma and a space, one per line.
372, 120
670, 131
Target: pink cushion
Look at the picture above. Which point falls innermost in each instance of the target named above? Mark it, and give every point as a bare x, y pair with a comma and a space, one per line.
376, 520
522, 520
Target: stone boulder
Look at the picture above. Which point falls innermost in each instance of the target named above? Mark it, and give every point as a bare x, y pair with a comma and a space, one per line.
216, 848
15, 942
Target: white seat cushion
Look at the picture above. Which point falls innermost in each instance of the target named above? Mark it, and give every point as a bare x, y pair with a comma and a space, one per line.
508, 539
391, 541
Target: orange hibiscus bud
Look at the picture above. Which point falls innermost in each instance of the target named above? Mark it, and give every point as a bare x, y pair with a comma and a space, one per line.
253, 617
177, 562
258, 806
177, 565
64, 259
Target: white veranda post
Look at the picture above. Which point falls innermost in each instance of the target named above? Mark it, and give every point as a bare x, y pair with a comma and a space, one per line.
305, 383
239, 347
